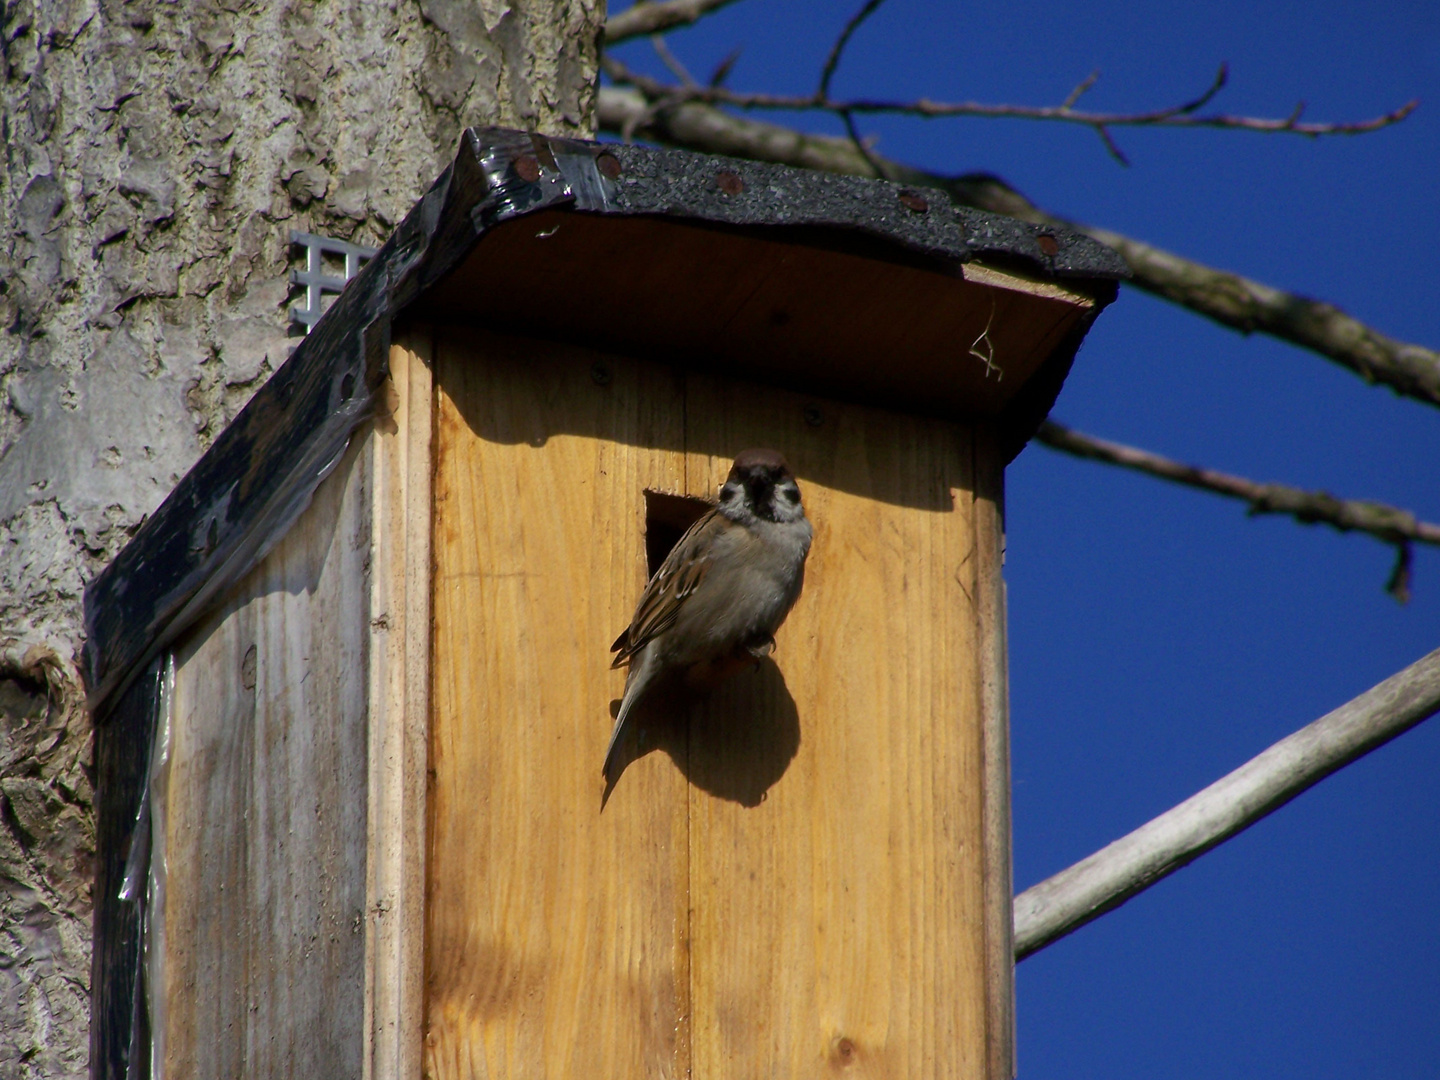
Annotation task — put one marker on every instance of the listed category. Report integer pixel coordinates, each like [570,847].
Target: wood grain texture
[268,807]
[555,939]
[399,714]
[837,917]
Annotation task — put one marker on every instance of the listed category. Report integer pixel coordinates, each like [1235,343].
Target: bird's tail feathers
[636,681]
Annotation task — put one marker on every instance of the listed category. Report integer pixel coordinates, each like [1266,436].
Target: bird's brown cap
[771,462]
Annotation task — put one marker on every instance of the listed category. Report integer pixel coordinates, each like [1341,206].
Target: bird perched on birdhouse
[722,592]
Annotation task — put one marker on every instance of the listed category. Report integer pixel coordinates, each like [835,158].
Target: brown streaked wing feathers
[678,576]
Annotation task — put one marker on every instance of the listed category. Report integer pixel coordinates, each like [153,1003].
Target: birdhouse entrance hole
[667,516]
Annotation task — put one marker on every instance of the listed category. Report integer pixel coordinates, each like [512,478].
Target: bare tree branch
[1387,523]
[701,127]
[1235,301]
[1182,115]
[645,18]
[1248,306]
[1046,912]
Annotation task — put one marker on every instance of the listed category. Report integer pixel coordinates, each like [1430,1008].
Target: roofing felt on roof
[644,180]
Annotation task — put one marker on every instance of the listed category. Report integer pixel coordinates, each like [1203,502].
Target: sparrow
[715,603]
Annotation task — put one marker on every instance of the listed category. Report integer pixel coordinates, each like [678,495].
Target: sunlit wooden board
[837,917]
[555,932]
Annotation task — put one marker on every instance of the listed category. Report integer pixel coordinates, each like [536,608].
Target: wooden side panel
[266,834]
[555,935]
[838,917]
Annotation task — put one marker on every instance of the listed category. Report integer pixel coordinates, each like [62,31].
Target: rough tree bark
[157,156]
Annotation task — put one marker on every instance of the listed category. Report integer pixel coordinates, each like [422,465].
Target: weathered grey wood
[1060,904]
[268,808]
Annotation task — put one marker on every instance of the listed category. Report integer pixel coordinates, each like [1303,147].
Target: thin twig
[1084,84]
[1222,76]
[833,60]
[1389,524]
[671,61]
[876,163]
[827,72]
[1046,912]
[1182,115]
[1235,301]
[723,69]
[1111,145]
[644,18]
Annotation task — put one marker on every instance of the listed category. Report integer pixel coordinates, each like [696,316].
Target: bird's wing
[679,576]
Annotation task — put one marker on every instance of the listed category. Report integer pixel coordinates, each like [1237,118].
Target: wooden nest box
[351,681]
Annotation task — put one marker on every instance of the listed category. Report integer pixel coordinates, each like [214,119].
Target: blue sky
[1159,637]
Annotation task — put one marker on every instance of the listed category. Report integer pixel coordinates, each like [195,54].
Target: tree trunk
[157,157]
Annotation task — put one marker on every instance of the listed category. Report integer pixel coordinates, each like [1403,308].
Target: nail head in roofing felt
[913,200]
[609,165]
[1049,245]
[527,166]
[729,182]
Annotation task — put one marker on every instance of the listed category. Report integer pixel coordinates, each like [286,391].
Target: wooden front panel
[795,884]
[555,933]
[837,925]
[264,938]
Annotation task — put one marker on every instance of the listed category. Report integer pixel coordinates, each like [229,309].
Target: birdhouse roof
[841,286]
